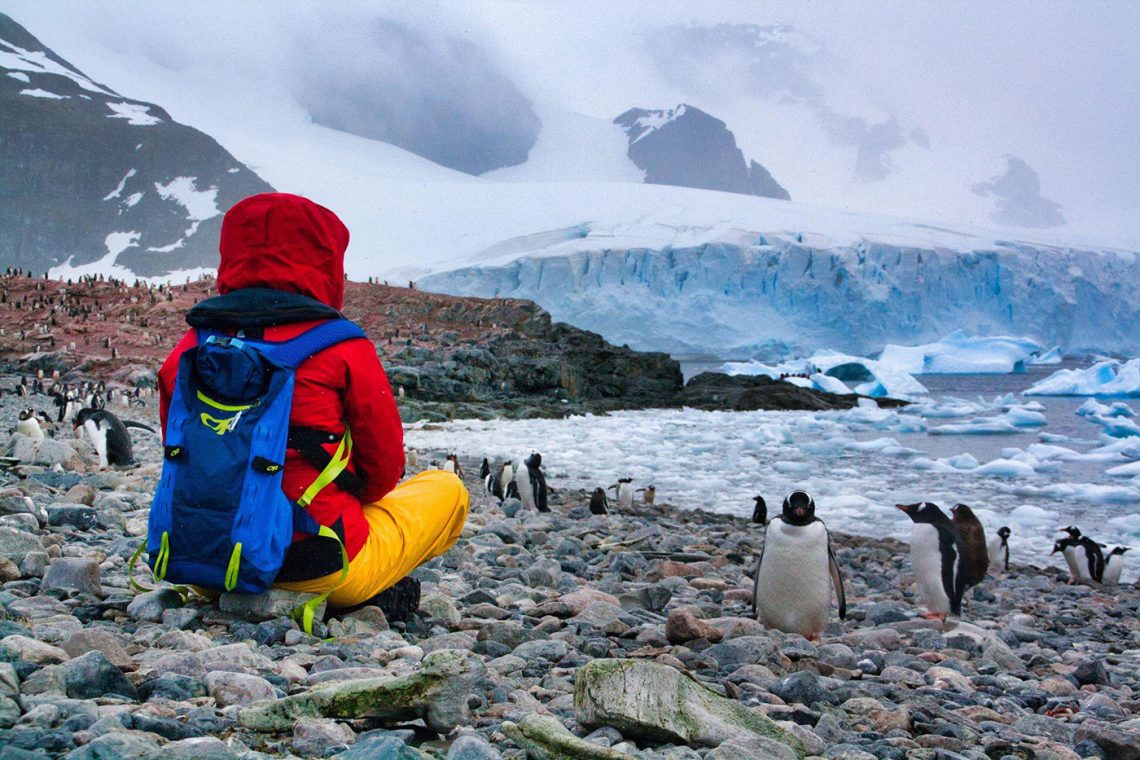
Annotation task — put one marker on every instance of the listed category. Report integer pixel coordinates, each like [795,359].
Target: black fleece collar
[257,307]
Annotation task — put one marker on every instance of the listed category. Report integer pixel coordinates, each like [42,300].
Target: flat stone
[659,703]
[682,626]
[16,544]
[76,516]
[436,692]
[270,605]
[31,650]
[94,639]
[77,574]
[472,747]
[545,737]
[743,650]
[92,675]
[317,737]
[149,606]
[198,748]
[229,688]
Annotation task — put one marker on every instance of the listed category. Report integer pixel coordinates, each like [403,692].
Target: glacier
[771,296]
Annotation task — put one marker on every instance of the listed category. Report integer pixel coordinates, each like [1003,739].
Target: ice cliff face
[777,297]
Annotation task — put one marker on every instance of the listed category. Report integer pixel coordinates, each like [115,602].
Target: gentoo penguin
[491,483]
[411,457]
[599,504]
[1089,552]
[455,466]
[108,435]
[935,554]
[760,511]
[624,491]
[484,469]
[507,480]
[1068,549]
[796,571]
[532,483]
[998,550]
[28,424]
[975,559]
[648,494]
[449,465]
[1114,565]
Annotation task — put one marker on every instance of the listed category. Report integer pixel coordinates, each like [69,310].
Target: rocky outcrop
[686,147]
[653,701]
[90,174]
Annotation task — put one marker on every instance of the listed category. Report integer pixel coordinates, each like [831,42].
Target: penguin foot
[935,616]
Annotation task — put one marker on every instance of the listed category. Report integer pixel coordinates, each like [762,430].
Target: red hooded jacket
[288,243]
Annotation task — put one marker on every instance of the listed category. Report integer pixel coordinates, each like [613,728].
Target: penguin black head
[1062,545]
[924,512]
[1119,550]
[962,512]
[27,414]
[81,417]
[799,508]
[1003,532]
[534,460]
[1073,531]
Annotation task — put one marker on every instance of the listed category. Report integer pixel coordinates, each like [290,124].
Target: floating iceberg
[959,353]
[1107,378]
[1052,356]
[836,373]
[1093,408]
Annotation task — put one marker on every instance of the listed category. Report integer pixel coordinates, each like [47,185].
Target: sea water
[856,463]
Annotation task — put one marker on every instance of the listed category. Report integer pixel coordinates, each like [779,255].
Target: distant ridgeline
[90,176]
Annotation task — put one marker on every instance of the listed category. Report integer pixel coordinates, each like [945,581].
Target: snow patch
[119,188]
[19,60]
[37,93]
[199,204]
[135,114]
[20,76]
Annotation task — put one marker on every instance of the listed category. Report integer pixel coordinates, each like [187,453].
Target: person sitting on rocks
[282,266]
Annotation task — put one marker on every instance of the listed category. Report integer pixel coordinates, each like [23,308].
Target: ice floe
[1106,378]
[960,353]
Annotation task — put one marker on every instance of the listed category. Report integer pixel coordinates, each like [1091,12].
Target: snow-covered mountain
[94,181]
[870,118]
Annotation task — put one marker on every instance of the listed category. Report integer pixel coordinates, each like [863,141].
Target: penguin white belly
[31,428]
[98,438]
[505,477]
[1113,569]
[625,495]
[449,466]
[1078,567]
[997,556]
[926,560]
[793,584]
[526,490]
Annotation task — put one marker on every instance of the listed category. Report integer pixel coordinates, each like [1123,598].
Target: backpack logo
[220,426]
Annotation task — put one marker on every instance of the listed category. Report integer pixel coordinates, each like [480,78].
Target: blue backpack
[219,518]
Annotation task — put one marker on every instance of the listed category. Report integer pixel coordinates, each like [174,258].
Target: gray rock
[471,747]
[317,737]
[198,748]
[76,516]
[381,744]
[545,649]
[116,746]
[543,736]
[78,574]
[743,650]
[229,688]
[93,639]
[16,544]
[803,688]
[437,693]
[149,606]
[1091,671]
[659,703]
[92,675]
[274,603]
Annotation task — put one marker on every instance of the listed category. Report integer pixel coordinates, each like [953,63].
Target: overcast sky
[954,88]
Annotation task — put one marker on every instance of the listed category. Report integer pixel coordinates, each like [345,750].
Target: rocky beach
[561,635]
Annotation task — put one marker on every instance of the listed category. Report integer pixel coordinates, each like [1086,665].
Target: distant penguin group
[1082,554]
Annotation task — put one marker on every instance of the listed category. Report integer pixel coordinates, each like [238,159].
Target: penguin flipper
[837,580]
[538,486]
[139,425]
[756,584]
[951,578]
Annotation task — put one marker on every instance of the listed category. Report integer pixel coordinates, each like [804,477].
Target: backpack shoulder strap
[292,352]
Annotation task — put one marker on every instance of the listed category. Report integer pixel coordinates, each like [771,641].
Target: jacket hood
[283,242]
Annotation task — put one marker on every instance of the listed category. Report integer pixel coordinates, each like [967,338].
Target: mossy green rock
[437,693]
[653,701]
[545,738]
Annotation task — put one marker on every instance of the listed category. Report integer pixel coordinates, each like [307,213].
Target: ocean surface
[856,463]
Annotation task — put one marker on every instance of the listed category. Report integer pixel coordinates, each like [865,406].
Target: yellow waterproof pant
[419,519]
